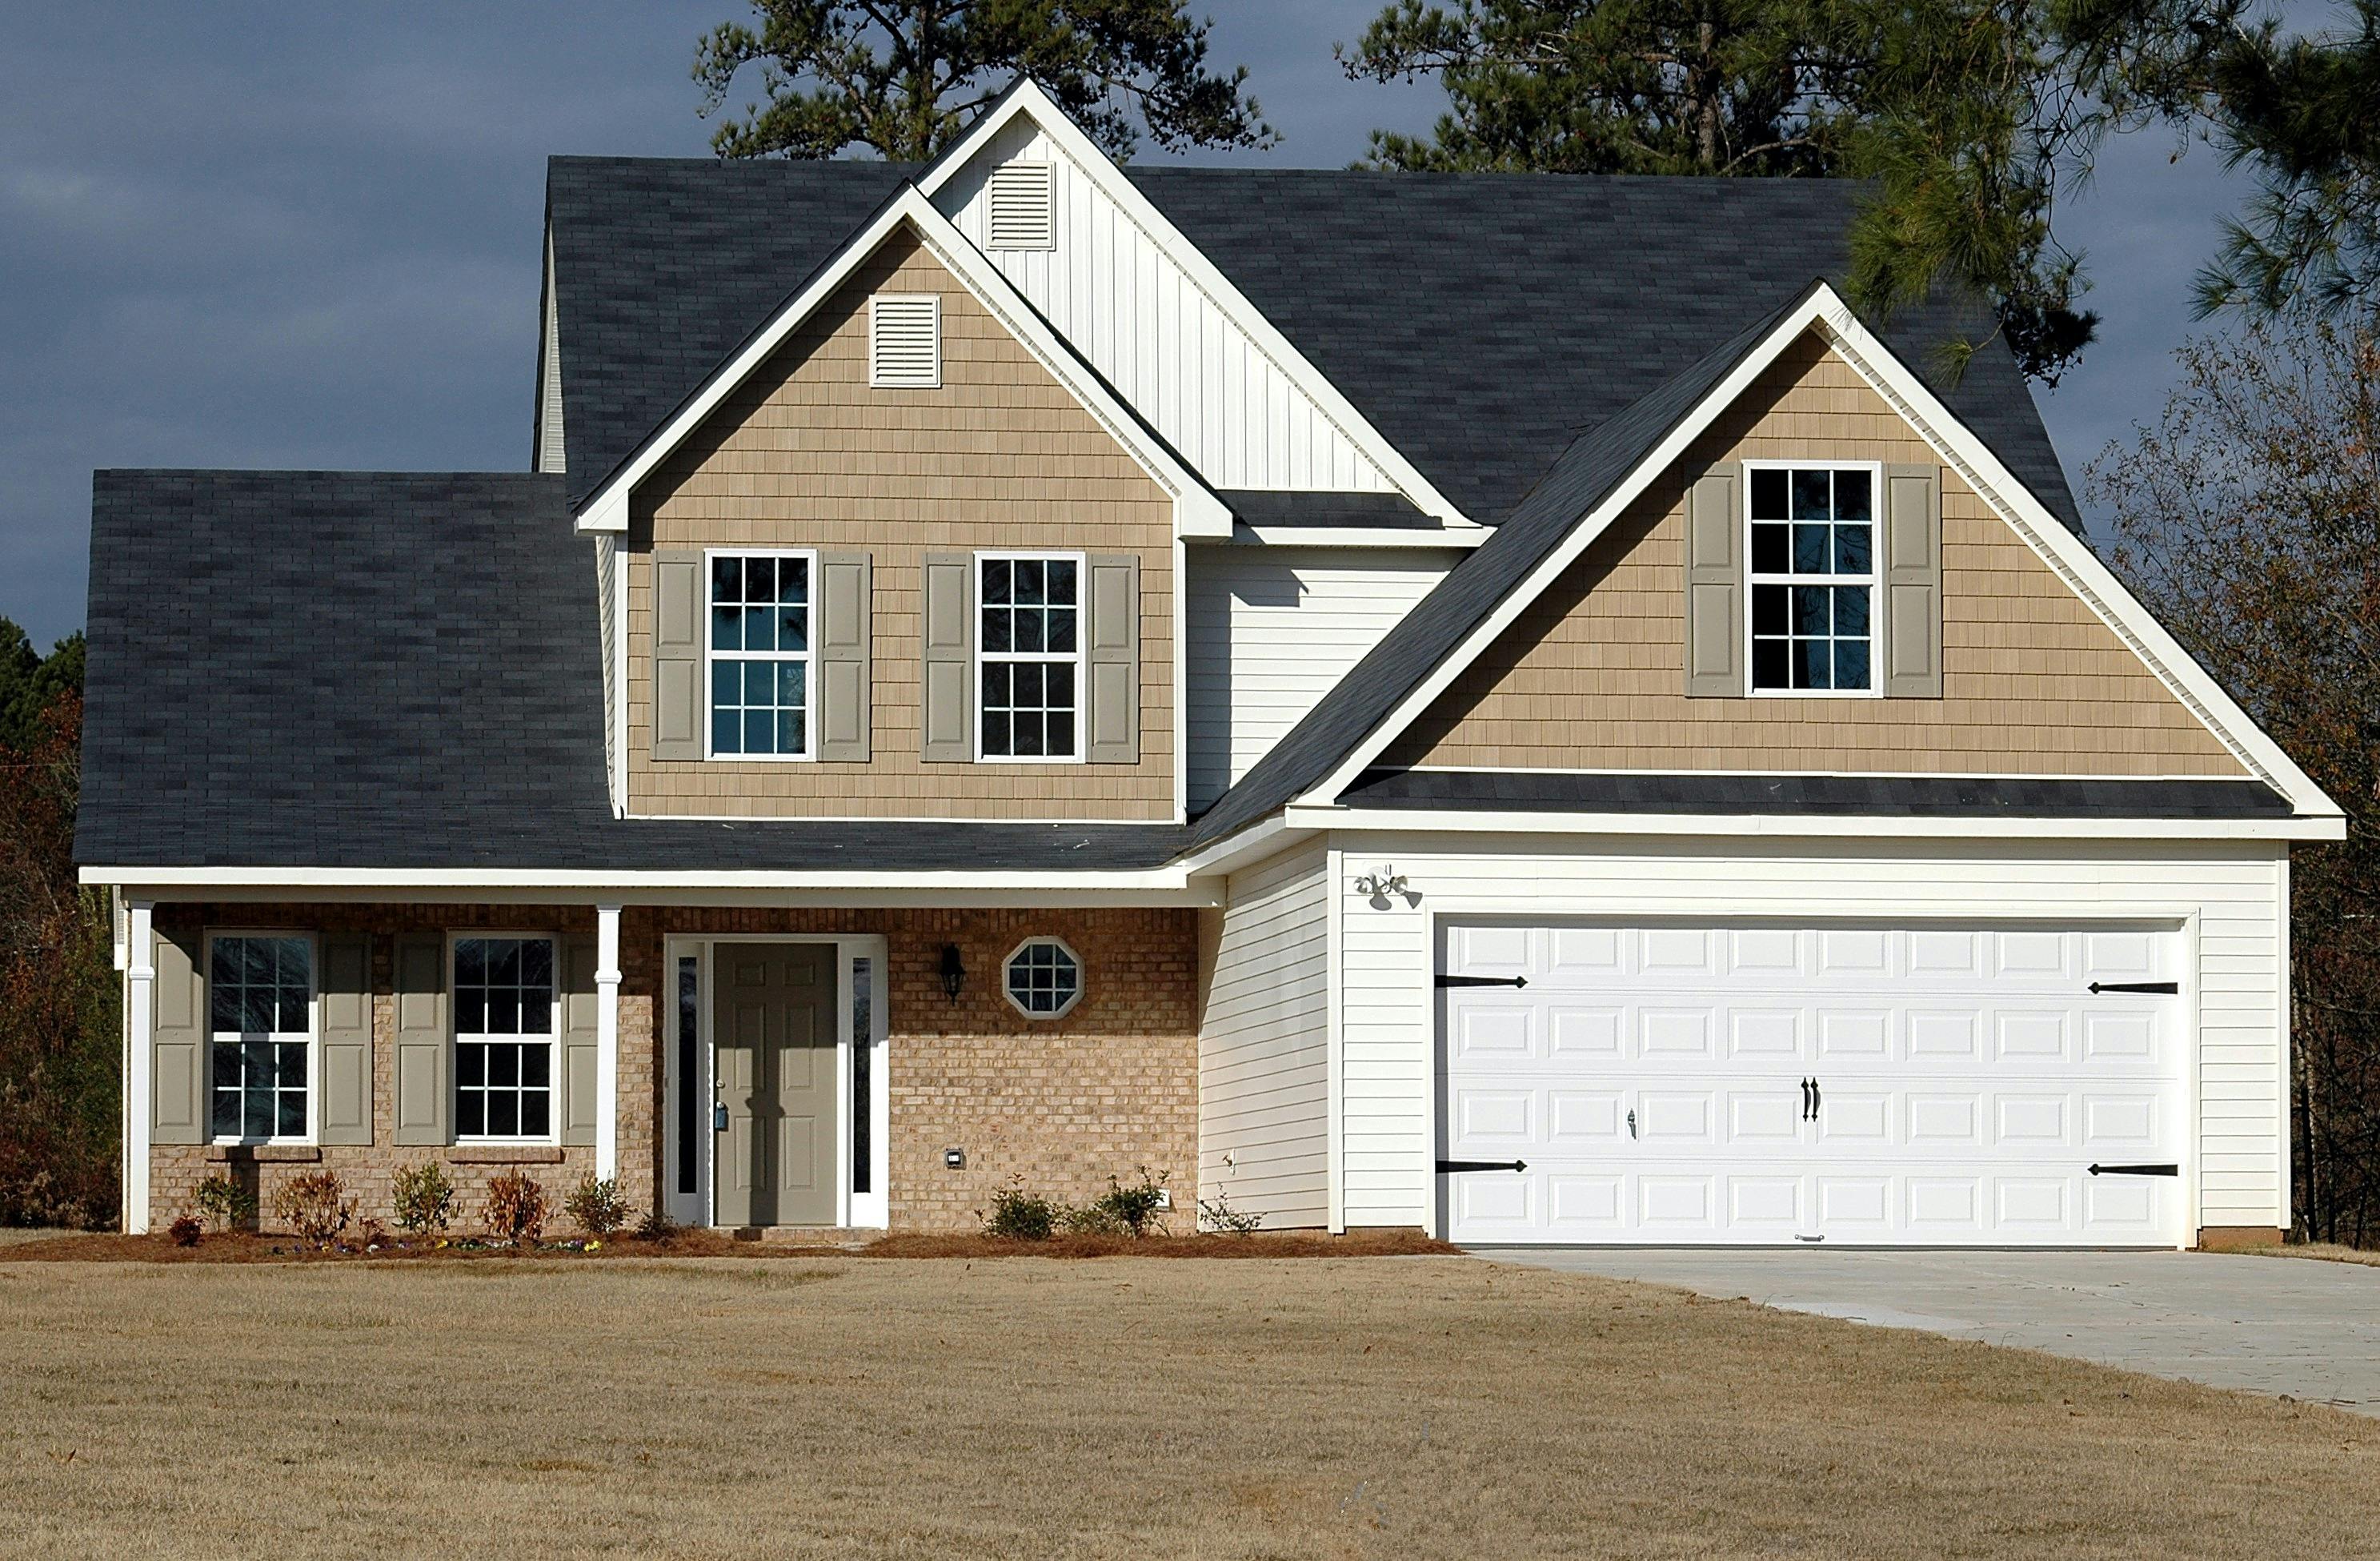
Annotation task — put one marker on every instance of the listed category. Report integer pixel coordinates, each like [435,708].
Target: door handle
[1632,1124]
[1806,1100]
[718,1116]
[1817,1100]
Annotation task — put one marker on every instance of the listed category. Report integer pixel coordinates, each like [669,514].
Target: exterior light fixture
[953,972]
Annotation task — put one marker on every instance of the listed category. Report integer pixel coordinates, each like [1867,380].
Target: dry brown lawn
[2320,1251]
[1387,1407]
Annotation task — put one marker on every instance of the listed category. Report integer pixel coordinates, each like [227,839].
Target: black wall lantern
[953,972]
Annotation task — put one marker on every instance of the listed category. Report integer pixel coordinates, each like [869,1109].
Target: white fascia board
[2064,552]
[1233,852]
[1027,99]
[1460,537]
[1790,826]
[1197,511]
[1166,885]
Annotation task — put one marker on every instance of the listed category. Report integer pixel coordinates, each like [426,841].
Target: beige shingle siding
[1002,456]
[1591,676]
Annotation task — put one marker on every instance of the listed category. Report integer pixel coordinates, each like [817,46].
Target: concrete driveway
[2296,1326]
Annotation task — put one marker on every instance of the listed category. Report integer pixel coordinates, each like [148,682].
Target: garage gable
[1592,673]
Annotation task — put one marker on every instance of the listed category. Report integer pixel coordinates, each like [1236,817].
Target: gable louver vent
[904,342]
[1021,202]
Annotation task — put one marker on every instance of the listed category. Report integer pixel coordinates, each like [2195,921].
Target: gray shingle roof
[400,669]
[1859,795]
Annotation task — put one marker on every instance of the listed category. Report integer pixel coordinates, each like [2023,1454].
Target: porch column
[140,1032]
[607,1040]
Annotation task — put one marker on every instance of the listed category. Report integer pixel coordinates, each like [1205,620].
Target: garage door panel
[1652,1080]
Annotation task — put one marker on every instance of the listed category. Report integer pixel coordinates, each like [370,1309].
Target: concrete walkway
[2307,1329]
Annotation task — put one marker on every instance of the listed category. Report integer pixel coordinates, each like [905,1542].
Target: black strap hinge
[2169,988]
[2099,1170]
[1446,1166]
[1483,981]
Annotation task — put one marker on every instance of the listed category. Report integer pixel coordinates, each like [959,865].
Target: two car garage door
[1850,1084]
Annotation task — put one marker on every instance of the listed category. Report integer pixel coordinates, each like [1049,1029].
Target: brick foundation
[1064,1104]
[2239,1237]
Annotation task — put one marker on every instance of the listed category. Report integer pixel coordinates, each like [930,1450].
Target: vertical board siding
[1167,348]
[1263,1101]
[549,400]
[1271,629]
[2237,981]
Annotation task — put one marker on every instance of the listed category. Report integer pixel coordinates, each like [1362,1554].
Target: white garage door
[1857,1085]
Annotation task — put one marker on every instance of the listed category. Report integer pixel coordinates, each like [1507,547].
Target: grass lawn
[2320,1251]
[1386,1407]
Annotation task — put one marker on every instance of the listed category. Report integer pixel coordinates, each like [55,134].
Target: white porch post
[607,1040]
[139,1035]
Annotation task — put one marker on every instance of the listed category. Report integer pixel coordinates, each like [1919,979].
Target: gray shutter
[1715,592]
[840,658]
[948,656]
[1112,660]
[345,1109]
[1911,570]
[177,1064]
[425,1095]
[678,702]
[579,1052]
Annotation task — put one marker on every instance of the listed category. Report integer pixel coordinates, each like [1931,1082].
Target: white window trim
[553,1135]
[1082,623]
[807,658]
[1082,977]
[934,315]
[313,1037]
[1872,579]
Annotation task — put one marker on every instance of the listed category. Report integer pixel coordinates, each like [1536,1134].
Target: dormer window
[1021,204]
[1813,579]
[904,342]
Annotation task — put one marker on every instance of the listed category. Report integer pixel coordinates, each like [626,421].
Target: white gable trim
[2058,547]
[1197,511]
[1027,99]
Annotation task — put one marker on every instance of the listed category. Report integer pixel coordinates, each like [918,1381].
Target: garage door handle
[1444,1166]
[2167,988]
[1483,981]
[2098,1170]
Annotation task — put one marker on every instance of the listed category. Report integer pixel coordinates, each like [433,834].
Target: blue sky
[307,236]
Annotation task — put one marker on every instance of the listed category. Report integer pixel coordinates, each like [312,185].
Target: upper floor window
[1029,651]
[260,1025]
[760,655]
[504,1037]
[1813,578]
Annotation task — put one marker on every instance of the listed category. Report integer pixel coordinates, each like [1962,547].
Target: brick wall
[1108,1087]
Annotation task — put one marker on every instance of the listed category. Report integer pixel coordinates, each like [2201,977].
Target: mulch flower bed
[250,1246]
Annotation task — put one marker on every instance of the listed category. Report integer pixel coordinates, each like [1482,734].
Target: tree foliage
[59,1023]
[905,78]
[2248,517]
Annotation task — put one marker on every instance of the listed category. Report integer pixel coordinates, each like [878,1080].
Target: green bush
[225,1202]
[1121,1210]
[597,1206]
[425,1200]
[1217,1214]
[1020,1216]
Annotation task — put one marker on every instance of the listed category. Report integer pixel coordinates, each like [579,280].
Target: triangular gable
[1197,511]
[1956,447]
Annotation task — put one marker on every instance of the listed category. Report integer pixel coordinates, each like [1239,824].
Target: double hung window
[760,655]
[260,1025]
[1029,655]
[504,1037]
[1813,579]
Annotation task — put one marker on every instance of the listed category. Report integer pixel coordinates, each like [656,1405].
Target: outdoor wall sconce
[953,972]
[954,1159]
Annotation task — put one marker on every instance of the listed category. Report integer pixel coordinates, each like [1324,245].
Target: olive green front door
[777,1124]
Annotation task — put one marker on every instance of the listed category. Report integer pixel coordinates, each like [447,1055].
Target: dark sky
[307,236]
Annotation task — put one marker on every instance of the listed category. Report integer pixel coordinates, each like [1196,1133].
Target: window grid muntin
[267,978]
[772,681]
[1029,657]
[1042,978]
[1816,580]
[504,1086]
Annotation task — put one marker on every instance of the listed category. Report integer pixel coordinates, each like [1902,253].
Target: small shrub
[315,1205]
[372,1233]
[656,1227]
[225,1202]
[1019,1215]
[185,1231]
[516,1210]
[1218,1215]
[425,1200]
[1090,1219]
[596,1205]
[1134,1208]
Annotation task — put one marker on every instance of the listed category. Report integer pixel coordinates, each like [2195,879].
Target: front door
[775,1066]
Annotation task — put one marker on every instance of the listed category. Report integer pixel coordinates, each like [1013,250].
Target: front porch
[755,1069]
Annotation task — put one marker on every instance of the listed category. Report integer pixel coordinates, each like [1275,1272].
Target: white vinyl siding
[1271,629]
[1263,1047]
[2231,901]
[1167,348]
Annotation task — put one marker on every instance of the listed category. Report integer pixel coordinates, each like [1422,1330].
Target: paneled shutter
[177,1064]
[579,1052]
[678,616]
[1112,660]
[1912,575]
[1714,593]
[840,657]
[425,1091]
[948,655]
[345,1110]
